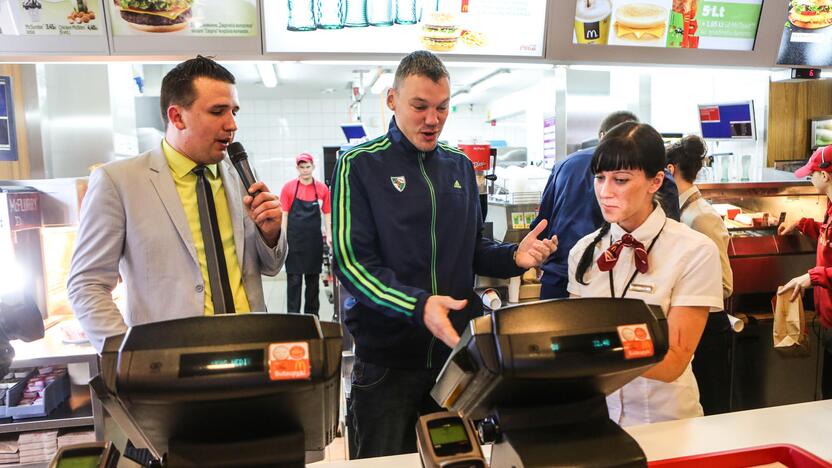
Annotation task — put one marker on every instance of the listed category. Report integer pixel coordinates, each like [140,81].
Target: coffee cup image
[640,22]
[592,21]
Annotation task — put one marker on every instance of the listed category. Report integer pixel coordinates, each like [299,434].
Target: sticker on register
[636,341]
[289,361]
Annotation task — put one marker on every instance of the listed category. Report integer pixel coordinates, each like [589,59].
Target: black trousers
[712,364]
[294,284]
[384,406]
[826,373]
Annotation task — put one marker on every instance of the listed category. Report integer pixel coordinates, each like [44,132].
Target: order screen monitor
[536,376]
[232,390]
[734,121]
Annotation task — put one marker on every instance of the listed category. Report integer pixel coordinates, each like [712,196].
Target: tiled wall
[275,130]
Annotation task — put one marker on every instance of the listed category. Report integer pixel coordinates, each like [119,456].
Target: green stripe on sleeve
[368,284]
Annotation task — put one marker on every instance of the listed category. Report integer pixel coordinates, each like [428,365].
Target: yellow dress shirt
[185,181]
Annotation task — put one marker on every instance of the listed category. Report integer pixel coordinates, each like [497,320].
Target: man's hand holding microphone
[263,206]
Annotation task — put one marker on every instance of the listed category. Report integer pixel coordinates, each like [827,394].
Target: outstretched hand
[532,252]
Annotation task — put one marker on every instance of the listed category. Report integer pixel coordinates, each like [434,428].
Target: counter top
[51,350]
[806,425]
[770,179]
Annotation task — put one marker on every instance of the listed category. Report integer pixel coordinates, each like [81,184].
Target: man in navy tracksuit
[407,231]
[569,205]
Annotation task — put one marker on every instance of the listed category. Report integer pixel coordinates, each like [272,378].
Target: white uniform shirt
[702,217]
[683,271]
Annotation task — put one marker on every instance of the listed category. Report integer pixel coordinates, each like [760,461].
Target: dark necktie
[221,296]
[609,258]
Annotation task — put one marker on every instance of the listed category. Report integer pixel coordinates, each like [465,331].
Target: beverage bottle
[356,14]
[408,11]
[330,14]
[380,12]
[301,15]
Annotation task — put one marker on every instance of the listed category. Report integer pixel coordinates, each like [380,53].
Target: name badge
[642,288]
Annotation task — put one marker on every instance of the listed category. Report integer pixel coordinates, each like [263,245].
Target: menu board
[51,18]
[194,18]
[807,37]
[467,27]
[689,24]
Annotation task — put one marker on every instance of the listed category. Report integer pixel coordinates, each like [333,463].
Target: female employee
[712,366]
[640,253]
[302,225]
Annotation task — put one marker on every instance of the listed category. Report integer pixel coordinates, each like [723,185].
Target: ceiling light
[268,75]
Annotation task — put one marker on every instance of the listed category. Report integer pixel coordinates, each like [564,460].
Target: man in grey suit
[140,218]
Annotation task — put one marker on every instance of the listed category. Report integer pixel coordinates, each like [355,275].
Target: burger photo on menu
[640,23]
[439,32]
[155,15]
[810,14]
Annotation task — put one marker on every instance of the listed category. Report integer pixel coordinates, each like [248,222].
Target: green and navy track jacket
[408,225]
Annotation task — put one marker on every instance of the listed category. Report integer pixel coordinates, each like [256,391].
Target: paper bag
[789,332]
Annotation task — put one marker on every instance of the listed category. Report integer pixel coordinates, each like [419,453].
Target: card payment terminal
[446,440]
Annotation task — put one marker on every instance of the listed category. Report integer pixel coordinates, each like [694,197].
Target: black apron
[306,243]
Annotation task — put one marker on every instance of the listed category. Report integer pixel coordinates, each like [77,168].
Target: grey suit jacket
[133,224]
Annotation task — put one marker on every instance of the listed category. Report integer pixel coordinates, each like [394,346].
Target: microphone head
[236,152]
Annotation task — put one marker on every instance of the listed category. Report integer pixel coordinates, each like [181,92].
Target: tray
[787,454]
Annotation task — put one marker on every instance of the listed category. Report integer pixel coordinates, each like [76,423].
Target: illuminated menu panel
[807,35]
[687,24]
[467,27]
[51,18]
[184,18]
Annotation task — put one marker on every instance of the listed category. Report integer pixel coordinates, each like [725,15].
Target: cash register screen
[80,461]
[194,365]
[588,343]
[448,434]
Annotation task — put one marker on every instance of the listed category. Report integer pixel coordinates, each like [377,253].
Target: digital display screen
[672,24]
[448,434]
[82,461]
[727,121]
[194,365]
[589,343]
[821,132]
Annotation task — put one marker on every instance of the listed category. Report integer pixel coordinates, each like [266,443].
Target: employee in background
[176,222]
[639,253]
[819,168]
[568,204]
[712,366]
[408,241]
[304,199]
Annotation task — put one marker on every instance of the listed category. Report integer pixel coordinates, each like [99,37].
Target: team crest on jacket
[399,183]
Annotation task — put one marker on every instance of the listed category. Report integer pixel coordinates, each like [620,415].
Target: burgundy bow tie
[609,258]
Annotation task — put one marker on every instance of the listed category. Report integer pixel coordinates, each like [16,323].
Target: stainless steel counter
[82,408]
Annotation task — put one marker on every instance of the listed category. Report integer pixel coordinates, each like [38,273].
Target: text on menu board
[52,18]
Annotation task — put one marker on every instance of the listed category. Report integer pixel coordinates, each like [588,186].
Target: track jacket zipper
[434,288]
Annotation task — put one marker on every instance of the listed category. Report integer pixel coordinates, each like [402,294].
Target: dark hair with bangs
[627,146]
[178,84]
[630,146]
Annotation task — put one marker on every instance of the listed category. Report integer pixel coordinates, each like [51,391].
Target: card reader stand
[211,392]
[536,375]
[577,434]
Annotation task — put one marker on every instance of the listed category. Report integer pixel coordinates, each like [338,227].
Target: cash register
[534,378]
[233,390]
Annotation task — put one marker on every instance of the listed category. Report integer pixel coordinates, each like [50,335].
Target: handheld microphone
[239,158]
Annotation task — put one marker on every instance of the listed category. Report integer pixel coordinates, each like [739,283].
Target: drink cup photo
[592,21]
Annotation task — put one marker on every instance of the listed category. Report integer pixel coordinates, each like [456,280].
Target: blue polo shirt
[570,207]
